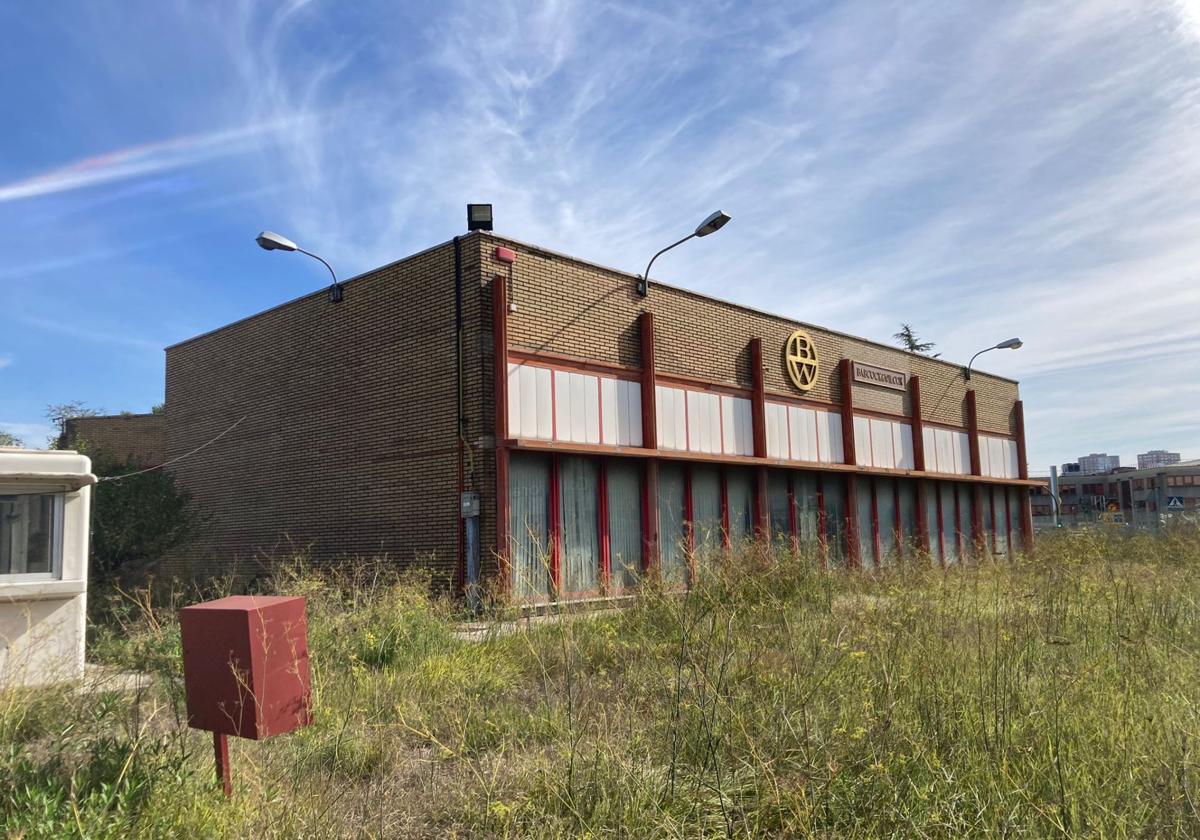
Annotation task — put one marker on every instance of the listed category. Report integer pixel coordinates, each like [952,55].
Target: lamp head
[1010,344]
[713,223]
[269,241]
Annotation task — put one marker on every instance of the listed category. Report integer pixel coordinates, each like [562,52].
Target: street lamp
[1009,344]
[710,225]
[269,241]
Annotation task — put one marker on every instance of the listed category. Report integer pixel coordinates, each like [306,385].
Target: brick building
[139,439]
[604,433]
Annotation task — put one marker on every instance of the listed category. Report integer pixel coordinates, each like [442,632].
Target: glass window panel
[624,481]
[804,488]
[933,524]
[30,533]
[885,506]
[672,545]
[964,520]
[908,516]
[781,519]
[1015,495]
[740,485]
[1000,519]
[706,508]
[949,523]
[578,481]
[529,525]
[833,496]
[866,525]
[989,523]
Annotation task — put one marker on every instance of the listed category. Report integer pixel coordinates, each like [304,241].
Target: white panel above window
[862,441]
[883,447]
[737,432]
[777,431]
[530,414]
[802,429]
[903,444]
[829,437]
[704,422]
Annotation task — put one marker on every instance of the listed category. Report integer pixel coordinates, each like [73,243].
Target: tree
[9,439]
[137,519]
[908,339]
[60,413]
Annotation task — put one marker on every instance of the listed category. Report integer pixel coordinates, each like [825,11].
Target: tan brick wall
[573,308]
[348,446]
[138,438]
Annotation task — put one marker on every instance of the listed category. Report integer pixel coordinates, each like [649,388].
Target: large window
[885,511]
[739,485]
[778,503]
[866,525]
[965,533]
[672,538]
[933,521]
[833,498]
[624,481]
[908,516]
[31,535]
[529,525]
[949,528]
[1015,495]
[989,536]
[804,493]
[999,497]
[707,528]
[579,517]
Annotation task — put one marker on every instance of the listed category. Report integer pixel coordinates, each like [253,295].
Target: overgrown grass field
[1055,696]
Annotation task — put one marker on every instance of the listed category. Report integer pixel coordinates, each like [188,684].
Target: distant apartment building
[1095,464]
[1139,497]
[1157,458]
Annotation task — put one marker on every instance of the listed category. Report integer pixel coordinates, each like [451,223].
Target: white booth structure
[45,500]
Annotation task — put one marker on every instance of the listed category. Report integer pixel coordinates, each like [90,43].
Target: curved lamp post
[710,225]
[270,241]
[1010,344]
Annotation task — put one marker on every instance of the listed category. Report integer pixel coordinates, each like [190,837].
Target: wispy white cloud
[143,160]
[5,361]
[977,170]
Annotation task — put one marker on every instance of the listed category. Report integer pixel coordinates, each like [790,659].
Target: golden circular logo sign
[802,363]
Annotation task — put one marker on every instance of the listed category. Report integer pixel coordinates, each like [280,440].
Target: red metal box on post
[245,665]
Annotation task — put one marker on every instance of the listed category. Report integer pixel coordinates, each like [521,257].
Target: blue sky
[979,170]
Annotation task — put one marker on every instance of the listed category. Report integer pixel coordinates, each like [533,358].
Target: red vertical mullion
[555,528]
[602,516]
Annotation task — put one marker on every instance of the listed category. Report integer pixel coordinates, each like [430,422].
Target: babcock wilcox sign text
[871,375]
